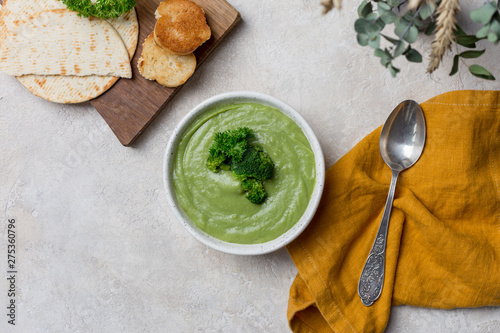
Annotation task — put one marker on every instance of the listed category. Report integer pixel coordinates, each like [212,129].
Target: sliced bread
[181,26]
[168,69]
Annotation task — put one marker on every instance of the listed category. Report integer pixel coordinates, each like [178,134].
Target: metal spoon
[401,143]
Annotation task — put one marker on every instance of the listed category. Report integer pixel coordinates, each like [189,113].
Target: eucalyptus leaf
[495,28]
[408,17]
[382,6]
[426,11]
[385,61]
[483,32]
[363,39]
[471,54]
[400,27]
[390,39]
[454,68]
[492,37]
[365,8]
[388,17]
[380,24]
[418,22]
[394,3]
[360,25]
[379,53]
[393,70]
[483,14]
[413,56]
[400,48]
[371,17]
[373,28]
[374,41]
[481,72]
[385,57]
[411,35]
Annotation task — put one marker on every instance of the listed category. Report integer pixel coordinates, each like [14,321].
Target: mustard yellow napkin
[443,246]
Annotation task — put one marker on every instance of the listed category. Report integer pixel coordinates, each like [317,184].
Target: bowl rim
[236,248]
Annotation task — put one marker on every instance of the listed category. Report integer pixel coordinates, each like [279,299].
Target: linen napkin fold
[443,248]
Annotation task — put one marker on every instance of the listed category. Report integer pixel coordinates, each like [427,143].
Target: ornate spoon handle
[372,276]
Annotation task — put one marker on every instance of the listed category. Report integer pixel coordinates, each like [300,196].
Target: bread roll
[181,27]
[168,69]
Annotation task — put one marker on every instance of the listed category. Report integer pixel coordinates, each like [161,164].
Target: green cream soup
[216,202]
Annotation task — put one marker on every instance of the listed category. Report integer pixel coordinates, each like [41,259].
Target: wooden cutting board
[132,104]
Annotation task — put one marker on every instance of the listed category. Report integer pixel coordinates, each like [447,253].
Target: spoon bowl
[403,136]
[402,141]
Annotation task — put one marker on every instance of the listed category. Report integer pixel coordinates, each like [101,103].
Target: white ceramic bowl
[233,248]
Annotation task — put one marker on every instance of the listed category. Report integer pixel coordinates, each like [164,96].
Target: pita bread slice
[60,42]
[15,10]
[78,89]
[67,89]
[126,25]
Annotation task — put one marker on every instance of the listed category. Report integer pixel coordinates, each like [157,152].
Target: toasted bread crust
[168,69]
[181,27]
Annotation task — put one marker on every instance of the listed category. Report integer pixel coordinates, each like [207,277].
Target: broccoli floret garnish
[254,164]
[214,163]
[228,145]
[249,163]
[254,189]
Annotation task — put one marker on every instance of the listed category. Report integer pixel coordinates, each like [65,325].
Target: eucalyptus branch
[432,17]
[410,24]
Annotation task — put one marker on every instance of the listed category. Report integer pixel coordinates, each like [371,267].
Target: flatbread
[68,89]
[60,42]
[78,89]
[15,10]
[127,27]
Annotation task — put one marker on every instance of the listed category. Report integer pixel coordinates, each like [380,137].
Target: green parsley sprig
[104,9]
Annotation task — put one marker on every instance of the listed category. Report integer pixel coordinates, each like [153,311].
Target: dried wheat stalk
[414,4]
[444,37]
[330,4]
